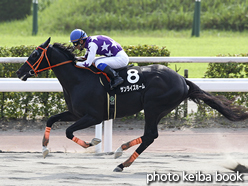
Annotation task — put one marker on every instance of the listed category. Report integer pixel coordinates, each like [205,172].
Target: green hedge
[33,105]
[13,9]
[27,105]
[226,70]
[108,15]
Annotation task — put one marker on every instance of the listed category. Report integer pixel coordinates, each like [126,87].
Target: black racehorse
[87,102]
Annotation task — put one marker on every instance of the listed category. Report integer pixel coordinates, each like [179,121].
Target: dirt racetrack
[94,169]
[177,157]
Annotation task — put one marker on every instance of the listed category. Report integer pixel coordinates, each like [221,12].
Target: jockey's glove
[80,58]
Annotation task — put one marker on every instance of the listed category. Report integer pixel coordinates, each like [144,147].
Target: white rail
[31,85]
[52,84]
[157,59]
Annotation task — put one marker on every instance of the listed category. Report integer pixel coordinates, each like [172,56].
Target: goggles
[76,43]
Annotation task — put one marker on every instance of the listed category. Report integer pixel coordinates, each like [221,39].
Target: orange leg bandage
[129,144]
[80,142]
[47,132]
[131,159]
[46,136]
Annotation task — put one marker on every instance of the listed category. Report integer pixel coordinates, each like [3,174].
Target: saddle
[133,81]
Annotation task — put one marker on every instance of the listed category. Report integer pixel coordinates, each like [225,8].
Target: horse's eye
[34,54]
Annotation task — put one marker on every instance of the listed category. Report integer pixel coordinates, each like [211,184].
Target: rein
[36,65]
[103,73]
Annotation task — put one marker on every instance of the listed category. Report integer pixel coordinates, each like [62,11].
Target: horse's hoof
[95,141]
[118,152]
[240,168]
[45,151]
[118,169]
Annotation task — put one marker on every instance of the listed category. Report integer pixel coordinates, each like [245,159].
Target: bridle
[36,65]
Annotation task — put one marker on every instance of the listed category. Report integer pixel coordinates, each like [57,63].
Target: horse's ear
[47,42]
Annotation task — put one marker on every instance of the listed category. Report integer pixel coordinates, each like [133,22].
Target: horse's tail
[219,103]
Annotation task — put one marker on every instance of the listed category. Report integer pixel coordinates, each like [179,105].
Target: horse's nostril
[17,72]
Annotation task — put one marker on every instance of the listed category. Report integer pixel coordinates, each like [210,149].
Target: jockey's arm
[91,56]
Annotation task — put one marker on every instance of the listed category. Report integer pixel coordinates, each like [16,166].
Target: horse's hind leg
[125,146]
[145,142]
[64,116]
[151,133]
[153,114]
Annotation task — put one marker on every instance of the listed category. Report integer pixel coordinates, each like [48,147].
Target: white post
[98,134]
[108,135]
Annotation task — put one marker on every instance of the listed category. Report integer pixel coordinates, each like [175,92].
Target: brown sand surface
[177,152]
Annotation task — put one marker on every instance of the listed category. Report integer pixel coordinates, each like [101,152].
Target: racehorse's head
[34,62]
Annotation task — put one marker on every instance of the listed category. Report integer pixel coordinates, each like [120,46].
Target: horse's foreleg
[45,141]
[84,144]
[46,136]
[65,116]
[82,123]
[125,146]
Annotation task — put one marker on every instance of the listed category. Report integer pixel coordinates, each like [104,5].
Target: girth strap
[111,101]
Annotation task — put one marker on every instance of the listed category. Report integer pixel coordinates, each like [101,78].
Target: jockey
[115,56]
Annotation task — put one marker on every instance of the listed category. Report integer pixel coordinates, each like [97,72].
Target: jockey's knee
[69,133]
[101,66]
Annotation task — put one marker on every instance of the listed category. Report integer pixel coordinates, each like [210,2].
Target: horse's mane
[68,50]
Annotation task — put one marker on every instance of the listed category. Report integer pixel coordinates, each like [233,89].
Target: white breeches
[120,60]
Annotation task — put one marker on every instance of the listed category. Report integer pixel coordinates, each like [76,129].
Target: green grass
[180,44]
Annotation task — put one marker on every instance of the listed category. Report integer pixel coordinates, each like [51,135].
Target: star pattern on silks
[94,38]
[86,64]
[109,53]
[105,46]
[114,44]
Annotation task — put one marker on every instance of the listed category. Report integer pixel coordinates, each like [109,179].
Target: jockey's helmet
[77,35]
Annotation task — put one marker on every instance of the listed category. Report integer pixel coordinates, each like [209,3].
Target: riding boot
[114,76]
